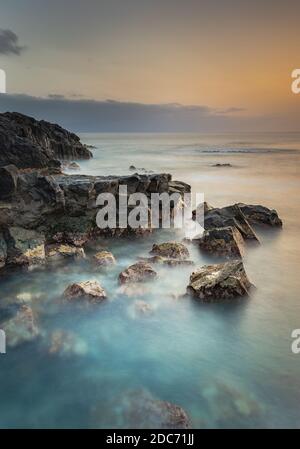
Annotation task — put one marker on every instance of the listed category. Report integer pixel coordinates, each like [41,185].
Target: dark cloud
[9,43]
[115,116]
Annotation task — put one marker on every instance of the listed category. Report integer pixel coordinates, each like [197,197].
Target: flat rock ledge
[165,261]
[87,290]
[138,272]
[225,242]
[171,250]
[220,282]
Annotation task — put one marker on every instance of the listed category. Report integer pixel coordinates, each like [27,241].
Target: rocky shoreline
[48,217]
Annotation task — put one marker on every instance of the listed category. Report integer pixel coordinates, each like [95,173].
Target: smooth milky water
[226,365]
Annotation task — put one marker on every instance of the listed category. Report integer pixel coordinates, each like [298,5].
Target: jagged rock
[138,272]
[3,251]
[173,250]
[229,216]
[201,210]
[104,259]
[87,290]
[226,242]
[260,215]
[8,181]
[61,252]
[29,143]
[221,282]
[24,247]
[179,187]
[21,328]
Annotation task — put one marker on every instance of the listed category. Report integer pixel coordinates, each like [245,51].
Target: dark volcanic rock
[29,143]
[226,242]
[229,216]
[217,283]
[8,181]
[24,247]
[260,215]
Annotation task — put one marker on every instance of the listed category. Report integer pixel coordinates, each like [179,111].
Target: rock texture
[29,143]
[61,252]
[260,215]
[229,216]
[104,259]
[21,328]
[138,272]
[217,283]
[172,250]
[227,242]
[87,290]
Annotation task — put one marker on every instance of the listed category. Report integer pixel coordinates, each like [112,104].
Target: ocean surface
[228,366]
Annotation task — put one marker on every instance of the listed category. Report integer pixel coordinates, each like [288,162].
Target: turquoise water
[226,365]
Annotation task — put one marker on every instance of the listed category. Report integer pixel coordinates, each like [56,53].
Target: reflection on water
[226,365]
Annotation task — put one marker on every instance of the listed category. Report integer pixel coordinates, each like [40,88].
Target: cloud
[9,43]
[84,115]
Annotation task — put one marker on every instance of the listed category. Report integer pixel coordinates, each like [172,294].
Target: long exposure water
[226,365]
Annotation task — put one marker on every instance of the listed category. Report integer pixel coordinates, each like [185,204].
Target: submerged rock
[138,272]
[221,282]
[21,328]
[226,242]
[140,410]
[222,165]
[61,252]
[87,290]
[173,250]
[66,343]
[104,259]
[143,308]
[260,215]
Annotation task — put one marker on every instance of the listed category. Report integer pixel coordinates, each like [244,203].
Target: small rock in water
[21,328]
[143,307]
[222,165]
[260,215]
[104,259]
[66,343]
[172,250]
[89,290]
[138,272]
[226,242]
[61,252]
[221,282]
[140,410]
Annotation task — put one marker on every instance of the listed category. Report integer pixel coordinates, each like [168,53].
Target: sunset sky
[231,58]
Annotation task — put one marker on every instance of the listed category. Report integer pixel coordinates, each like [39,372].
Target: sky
[153,65]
